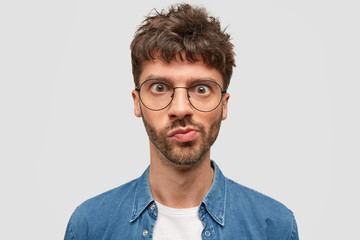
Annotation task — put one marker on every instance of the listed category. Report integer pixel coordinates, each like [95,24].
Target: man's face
[180,133]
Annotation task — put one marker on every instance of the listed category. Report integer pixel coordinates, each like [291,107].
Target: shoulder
[93,216]
[109,199]
[260,210]
[250,197]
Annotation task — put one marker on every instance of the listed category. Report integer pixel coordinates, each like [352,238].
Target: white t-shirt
[177,224]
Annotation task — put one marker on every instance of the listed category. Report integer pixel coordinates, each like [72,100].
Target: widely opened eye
[202,89]
[158,87]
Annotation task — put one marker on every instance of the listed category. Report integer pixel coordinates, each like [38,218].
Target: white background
[67,129]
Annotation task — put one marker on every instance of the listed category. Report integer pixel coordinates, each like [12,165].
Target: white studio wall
[68,131]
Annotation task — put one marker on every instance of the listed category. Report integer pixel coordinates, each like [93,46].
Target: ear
[136,98]
[224,103]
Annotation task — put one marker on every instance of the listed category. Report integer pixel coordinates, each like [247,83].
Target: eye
[201,89]
[159,87]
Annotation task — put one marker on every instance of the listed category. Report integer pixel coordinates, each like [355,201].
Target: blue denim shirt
[228,211]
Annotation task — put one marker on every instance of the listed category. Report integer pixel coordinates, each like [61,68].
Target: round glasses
[203,95]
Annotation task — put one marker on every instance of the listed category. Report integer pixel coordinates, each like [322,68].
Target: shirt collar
[142,197]
[214,201]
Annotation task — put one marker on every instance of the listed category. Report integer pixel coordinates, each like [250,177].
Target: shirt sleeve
[69,233]
[294,230]
[77,227]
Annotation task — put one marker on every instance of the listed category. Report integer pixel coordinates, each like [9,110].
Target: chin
[186,157]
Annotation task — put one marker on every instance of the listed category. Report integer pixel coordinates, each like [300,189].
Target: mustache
[184,123]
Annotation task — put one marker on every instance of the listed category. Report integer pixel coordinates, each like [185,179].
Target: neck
[180,186]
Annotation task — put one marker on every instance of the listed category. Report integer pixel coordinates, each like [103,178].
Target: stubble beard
[183,153]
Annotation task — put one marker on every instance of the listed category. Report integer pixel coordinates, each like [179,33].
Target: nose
[180,106]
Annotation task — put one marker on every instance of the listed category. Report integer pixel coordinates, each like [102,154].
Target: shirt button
[207,234]
[152,207]
[145,233]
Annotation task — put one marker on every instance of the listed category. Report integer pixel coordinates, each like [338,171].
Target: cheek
[210,119]
[215,115]
[156,119]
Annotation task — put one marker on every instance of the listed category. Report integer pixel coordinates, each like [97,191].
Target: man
[182,64]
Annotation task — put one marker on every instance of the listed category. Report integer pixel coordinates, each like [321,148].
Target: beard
[183,153]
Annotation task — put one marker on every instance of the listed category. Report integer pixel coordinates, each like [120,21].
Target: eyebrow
[171,80]
[156,77]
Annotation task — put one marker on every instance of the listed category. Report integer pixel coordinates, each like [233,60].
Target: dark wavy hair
[184,32]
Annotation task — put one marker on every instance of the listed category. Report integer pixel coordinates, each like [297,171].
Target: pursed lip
[181,131]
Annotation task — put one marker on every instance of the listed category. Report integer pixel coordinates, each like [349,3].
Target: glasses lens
[205,95]
[156,94]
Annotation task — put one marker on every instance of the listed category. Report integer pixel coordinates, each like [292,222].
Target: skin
[180,176]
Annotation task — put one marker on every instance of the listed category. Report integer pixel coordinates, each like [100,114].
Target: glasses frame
[173,93]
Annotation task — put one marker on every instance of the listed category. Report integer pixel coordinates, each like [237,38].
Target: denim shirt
[228,211]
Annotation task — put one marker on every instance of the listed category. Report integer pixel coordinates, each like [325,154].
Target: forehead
[179,72]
